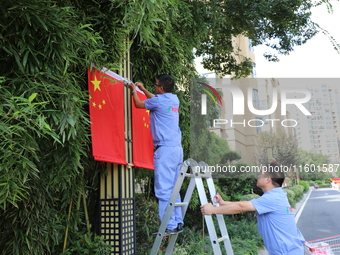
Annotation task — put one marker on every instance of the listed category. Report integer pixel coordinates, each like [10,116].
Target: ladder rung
[221,239]
[205,175]
[181,204]
[198,175]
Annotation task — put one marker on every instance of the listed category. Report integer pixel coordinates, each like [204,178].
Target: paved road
[320,217]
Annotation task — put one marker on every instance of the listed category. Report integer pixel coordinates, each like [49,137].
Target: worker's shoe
[171,232]
[179,227]
[167,232]
[175,231]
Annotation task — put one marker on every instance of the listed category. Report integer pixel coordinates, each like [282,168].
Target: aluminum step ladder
[197,172]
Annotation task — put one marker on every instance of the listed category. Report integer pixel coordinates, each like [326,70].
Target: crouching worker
[275,218]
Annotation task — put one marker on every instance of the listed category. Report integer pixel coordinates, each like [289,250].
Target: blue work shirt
[276,223]
[164,119]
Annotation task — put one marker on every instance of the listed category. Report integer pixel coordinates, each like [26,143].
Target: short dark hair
[275,172]
[166,81]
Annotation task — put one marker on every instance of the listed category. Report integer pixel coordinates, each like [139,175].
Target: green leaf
[32,97]
[24,61]
[41,22]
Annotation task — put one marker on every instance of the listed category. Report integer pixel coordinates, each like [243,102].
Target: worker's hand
[132,87]
[140,85]
[217,198]
[207,209]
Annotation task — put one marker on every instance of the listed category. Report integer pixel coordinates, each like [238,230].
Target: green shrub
[249,197]
[298,189]
[90,244]
[147,221]
[244,236]
[294,193]
[324,186]
[305,186]
[291,197]
[192,242]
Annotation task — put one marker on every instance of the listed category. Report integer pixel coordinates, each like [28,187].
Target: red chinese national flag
[107,117]
[142,146]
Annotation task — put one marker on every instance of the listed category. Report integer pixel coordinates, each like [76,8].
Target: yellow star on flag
[144,119]
[96,84]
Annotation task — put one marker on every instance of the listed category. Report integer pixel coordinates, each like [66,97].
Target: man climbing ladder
[168,155]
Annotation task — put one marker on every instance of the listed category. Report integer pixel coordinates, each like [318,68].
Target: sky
[315,59]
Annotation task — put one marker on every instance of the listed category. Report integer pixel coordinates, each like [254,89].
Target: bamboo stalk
[88,225]
[66,231]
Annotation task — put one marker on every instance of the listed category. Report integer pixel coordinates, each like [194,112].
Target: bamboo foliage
[44,123]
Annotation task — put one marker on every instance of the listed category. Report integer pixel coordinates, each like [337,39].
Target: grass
[245,239]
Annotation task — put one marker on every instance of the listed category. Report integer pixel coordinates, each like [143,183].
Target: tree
[281,25]
[310,165]
[209,27]
[230,157]
[283,146]
[236,184]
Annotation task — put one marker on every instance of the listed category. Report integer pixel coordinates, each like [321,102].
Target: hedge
[305,185]
[294,194]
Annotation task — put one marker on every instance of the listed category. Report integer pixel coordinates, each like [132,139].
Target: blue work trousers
[167,163]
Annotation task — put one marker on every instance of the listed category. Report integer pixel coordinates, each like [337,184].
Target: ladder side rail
[223,228]
[188,196]
[186,201]
[168,211]
[220,220]
[171,244]
[208,218]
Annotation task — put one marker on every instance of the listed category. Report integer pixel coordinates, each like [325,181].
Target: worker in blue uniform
[275,217]
[166,134]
